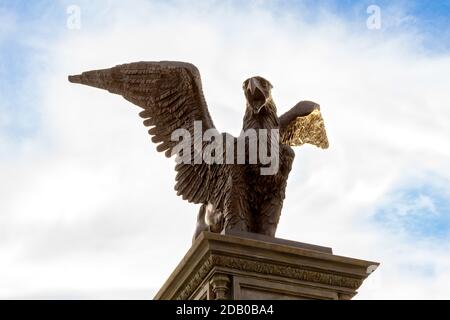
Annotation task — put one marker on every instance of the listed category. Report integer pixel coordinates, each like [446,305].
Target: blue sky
[385,100]
[419,209]
[40,19]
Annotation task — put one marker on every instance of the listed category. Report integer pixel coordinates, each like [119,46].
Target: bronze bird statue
[234,195]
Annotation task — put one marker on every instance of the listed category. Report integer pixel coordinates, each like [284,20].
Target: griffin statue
[234,195]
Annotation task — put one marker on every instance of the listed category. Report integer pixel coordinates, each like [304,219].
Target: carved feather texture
[172,98]
[307,129]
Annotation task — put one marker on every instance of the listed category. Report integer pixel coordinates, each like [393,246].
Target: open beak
[252,83]
[256,95]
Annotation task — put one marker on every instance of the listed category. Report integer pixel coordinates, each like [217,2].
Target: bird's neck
[266,119]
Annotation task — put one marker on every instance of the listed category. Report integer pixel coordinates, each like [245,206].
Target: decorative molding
[220,286]
[266,269]
[195,281]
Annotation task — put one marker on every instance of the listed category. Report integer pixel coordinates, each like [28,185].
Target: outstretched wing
[172,98]
[303,124]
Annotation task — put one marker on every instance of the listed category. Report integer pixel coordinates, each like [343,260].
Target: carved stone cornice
[286,271]
[239,267]
[264,268]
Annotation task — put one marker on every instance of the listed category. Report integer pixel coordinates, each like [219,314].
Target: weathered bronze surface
[232,196]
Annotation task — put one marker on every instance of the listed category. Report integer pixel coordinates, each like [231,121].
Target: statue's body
[235,195]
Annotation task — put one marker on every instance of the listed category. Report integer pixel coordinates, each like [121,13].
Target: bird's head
[258,93]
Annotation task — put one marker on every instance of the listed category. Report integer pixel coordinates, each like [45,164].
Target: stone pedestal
[251,266]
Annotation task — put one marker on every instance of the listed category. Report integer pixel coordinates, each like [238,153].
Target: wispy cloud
[419,209]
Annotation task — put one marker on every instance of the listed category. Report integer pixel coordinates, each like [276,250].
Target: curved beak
[257,95]
[252,84]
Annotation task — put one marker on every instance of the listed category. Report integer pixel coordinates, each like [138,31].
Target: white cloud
[88,209]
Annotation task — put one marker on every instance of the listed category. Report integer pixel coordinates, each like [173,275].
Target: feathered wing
[303,124]
[172,98]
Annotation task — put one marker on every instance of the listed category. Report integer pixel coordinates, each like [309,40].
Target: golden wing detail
[307,129]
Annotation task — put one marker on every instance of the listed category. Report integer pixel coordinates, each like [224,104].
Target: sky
[87,207]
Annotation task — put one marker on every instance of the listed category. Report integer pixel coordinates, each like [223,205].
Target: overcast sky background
[87,207]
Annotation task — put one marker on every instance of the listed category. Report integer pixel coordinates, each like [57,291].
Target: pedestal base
[251,266]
